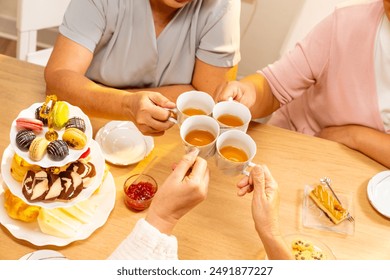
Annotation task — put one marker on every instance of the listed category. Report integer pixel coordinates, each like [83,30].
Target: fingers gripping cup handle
[245,171]
[173,115]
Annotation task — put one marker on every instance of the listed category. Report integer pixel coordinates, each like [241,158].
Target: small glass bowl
[139,191]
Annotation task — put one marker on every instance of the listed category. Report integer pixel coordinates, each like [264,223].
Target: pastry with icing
[57,150]
[24,138]
[76,122]
[329,204]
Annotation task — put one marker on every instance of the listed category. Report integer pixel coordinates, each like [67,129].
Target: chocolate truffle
[57,150]
[76,122]
[24,139]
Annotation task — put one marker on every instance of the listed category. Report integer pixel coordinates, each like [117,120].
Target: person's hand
[184,188]
[231,90]
[265,202]
[240,91]
[149,110]
[265,211]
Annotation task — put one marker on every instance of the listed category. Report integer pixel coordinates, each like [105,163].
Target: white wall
[261,40]
[264,24]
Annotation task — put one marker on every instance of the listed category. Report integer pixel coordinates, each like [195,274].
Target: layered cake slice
[329,204]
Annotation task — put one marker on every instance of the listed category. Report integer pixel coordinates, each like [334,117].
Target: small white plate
[46,161]
[378,191]
[43,255]
[122,143]
[105,199]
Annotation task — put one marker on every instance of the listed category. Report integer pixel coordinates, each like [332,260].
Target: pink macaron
[29,123]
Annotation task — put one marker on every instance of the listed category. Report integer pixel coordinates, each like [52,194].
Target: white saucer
[378,191]
[122,143]
[44,255]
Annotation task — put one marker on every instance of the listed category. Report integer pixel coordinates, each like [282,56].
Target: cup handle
[246,172]
[173,115]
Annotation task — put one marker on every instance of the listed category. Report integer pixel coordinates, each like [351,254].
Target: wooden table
[221,227]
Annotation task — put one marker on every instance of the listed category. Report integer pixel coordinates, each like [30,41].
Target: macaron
[57,150]
[75,138]
[76,122]
[24,139]
[60,114]
[38,148]
[29,123]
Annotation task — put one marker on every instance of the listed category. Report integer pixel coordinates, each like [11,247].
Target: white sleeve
[146,242]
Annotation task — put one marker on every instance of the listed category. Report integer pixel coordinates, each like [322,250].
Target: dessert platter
[122,143]
[55,187]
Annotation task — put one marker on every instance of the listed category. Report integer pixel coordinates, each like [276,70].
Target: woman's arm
[373,143]
[206,78]
[65,77]
[183,190]
[265,211]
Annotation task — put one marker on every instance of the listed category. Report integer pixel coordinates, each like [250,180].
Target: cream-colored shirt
[127,53]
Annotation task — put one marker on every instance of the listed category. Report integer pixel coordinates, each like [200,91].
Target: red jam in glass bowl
[139,191]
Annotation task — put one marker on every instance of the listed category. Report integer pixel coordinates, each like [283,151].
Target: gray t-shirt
[127,53]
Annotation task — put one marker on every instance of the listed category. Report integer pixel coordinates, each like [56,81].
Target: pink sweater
[328,79]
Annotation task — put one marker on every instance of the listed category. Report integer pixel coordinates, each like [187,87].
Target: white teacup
[232,115]
[235,152]
[200,132]
[192,103]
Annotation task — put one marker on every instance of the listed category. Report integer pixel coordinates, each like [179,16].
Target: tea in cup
[232,115]
[192,103]
[235,152]
[200,132]
[199,137]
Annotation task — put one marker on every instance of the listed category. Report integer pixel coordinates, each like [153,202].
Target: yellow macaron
[75,138]
[60,114]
